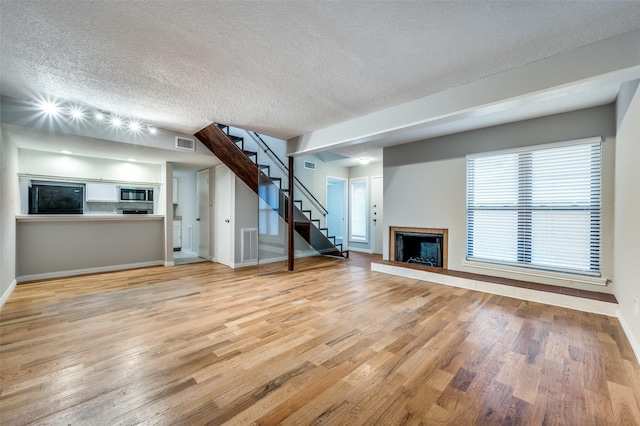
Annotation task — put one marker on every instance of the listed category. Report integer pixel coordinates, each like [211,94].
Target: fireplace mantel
[443,232]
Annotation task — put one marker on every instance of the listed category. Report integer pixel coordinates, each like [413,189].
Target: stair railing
[268,149]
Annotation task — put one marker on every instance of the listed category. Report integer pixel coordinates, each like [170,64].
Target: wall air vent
[185,144]
[249,244]
[309,165]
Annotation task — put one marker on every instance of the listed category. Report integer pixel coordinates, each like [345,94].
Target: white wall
[425,182]
[9,207]
[20,112]
[626,269]
[57,165]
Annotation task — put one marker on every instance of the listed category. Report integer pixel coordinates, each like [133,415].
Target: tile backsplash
[114,208]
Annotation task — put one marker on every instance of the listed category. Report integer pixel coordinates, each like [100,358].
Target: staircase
[244,163]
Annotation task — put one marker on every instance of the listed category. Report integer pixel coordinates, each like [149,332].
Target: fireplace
[419,246]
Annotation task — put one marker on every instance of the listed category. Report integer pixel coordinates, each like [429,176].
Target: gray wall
[51,247]
[627,221]
[425,182]
[9,207]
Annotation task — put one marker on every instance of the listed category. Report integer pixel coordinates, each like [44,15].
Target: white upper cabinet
[102,192]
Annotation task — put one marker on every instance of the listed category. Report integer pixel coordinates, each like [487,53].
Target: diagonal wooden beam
[230,154]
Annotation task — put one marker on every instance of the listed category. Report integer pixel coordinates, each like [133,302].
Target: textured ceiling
[282,68]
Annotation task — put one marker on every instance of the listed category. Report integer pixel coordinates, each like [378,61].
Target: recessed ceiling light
[116,121]
[364,160]
[152,130]
[135,126]
[99,116]
[64,151]
[49,107]
[133,160]
[77,113]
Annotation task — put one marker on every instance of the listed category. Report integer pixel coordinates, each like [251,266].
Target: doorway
[203,218]
[336,206]
[223,226]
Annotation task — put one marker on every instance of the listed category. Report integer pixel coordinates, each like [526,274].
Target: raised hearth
[419,246]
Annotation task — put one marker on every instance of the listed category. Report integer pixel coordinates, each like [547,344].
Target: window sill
[535,273]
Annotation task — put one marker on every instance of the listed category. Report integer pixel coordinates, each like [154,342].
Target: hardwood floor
[335,343]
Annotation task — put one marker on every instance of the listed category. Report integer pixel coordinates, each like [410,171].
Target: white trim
[171,263]
[538,273]
[86,217]
[635,345]
[7,293]
[359,250]
[537,147]
[72,272]
[555,299]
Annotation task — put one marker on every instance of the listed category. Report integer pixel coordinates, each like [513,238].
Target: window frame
[526,208]
[354,237]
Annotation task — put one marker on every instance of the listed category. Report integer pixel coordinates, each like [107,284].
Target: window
[538,208]
[358,201]
[268,209]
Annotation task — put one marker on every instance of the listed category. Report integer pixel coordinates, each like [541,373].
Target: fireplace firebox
[419,246]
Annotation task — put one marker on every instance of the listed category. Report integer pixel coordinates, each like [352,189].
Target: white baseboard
[635,345]
[359,250]
[172,263]
[555,299]
[6,294]
[70,273]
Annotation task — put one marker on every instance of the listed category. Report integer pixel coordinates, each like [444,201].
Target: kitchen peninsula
[50,246]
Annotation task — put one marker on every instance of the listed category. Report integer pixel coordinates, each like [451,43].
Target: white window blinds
[538,208]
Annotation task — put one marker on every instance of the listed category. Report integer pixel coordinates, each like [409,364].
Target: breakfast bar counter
[50,246]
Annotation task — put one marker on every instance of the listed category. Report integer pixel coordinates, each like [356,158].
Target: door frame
[232,239]
[374,246]
[209,223]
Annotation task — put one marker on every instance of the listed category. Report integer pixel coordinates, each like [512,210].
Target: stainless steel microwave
[137,195]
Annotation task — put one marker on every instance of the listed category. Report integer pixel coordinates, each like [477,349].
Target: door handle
[198,219]
[227,220]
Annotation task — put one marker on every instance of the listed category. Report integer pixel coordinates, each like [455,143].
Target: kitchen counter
[85,217]
[50,246]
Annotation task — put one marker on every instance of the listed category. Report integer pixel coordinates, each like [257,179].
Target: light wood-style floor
[335,344]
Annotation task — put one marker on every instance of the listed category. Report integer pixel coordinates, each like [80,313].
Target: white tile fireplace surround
[570,298]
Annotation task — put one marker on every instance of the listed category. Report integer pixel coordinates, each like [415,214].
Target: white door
[376,214]
[224,182]
[204,217]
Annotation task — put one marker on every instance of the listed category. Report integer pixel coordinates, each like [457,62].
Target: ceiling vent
[309,165]
[185,144]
